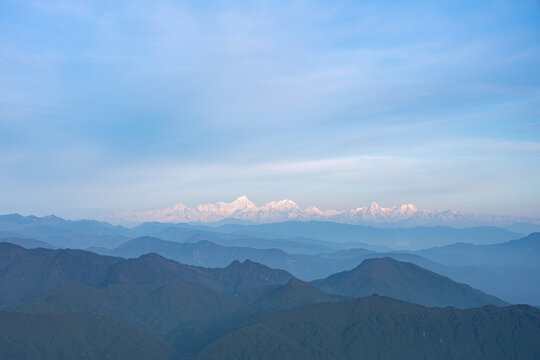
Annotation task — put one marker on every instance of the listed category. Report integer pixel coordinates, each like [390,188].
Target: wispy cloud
[111,105]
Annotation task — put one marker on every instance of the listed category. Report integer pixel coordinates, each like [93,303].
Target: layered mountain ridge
[187,312]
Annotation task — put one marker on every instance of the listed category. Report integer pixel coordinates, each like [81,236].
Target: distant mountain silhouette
[59,232]
[195,233]
[522,252]
[523,228]
[200,253]
[513,278]
[323,235]
[379,327]
[208,254]
[26,243]
[414,238]
[404,281]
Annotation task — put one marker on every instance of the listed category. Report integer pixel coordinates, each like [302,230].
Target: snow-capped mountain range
[244,209]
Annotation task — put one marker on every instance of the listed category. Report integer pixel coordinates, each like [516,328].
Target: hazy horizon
[244,211]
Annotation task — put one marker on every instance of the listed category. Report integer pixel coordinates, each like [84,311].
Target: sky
[110,106]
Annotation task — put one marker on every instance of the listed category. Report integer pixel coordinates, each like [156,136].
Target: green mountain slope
[155,309]
[190,340]
[26,273]
[383,328]
[74,336]
[188,316]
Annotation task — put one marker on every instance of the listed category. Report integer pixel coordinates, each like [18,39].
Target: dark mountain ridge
[25,273]
[404,281]
[378,327]
[75,336]
[208,254]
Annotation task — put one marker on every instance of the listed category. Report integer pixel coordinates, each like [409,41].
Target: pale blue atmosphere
[112,106]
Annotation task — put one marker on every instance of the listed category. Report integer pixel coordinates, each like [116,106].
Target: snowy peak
[283,206]
[284,210]
[241,208]
[374,207]
[242,203]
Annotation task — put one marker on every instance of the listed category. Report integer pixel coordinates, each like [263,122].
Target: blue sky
[129,105]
